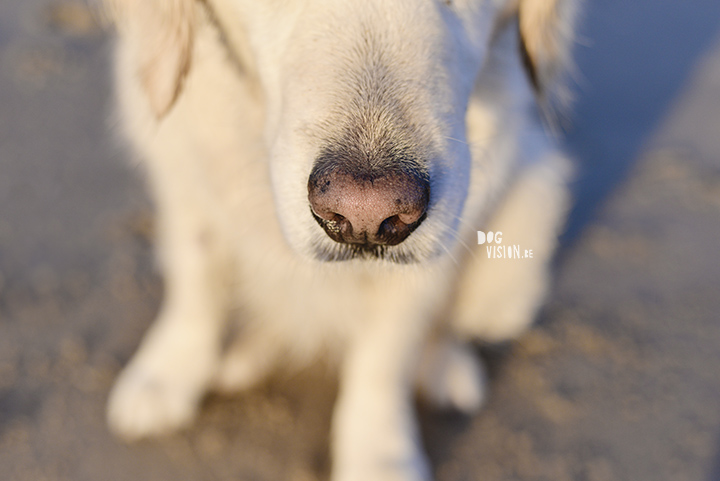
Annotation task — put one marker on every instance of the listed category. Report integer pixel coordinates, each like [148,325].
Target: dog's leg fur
[499,298]
[450,375]
[160,389]
[247,362]
[374,427]
[496,299]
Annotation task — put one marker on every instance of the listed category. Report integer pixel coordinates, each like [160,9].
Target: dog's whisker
[472,252]
[456,140]
[457,238]
[452,257]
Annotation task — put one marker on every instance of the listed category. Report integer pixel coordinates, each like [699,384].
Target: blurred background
[620,381]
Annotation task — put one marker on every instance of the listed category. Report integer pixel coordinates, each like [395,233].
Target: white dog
[323,169]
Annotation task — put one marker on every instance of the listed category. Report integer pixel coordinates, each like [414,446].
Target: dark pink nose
[371,210]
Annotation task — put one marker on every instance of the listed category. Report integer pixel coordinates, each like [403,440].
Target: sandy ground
[620,381]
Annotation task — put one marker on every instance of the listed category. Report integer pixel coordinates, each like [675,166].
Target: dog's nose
[368,209]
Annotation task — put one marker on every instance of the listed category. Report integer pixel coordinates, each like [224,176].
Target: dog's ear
[160,36]
[546,35]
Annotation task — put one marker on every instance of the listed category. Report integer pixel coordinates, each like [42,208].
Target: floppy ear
[546,35]
[160,36]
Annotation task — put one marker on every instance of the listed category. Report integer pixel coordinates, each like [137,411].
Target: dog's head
[365,104]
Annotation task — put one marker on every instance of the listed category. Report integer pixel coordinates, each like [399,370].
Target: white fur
[228,132]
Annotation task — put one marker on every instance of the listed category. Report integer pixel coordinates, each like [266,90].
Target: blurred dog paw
[145,404]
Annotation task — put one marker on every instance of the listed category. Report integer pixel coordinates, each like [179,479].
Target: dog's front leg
[375,435]
[498,297]
[160,389]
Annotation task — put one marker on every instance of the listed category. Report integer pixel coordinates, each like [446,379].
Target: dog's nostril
[340,225]
[335,225]
[392,230]
[395,229]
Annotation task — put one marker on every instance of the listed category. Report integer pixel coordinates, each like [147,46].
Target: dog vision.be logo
[495,249]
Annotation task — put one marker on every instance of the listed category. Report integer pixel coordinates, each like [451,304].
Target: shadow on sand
[633,60]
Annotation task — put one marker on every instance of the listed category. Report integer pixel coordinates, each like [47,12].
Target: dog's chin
[332,251]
